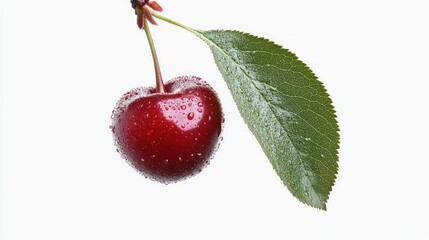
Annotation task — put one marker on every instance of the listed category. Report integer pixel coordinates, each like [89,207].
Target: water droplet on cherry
[191,115]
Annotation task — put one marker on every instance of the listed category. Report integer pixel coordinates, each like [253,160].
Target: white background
[64,64]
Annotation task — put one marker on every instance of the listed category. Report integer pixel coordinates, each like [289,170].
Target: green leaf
[286,108]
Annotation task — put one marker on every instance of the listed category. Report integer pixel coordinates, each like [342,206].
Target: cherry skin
[169,136]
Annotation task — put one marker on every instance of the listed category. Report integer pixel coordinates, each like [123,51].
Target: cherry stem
[160,88]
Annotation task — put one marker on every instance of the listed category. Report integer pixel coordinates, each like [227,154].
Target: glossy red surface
[169,137]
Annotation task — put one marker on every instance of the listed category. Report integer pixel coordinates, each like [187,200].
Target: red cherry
[169,136]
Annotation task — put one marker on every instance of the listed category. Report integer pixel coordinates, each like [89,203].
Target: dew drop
[200,110]
[199,154]
[142,159]
[200,104]
[166,160]
[183,107]
[183,126]
[190,115]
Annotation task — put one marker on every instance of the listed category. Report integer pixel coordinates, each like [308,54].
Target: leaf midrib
[273,112]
